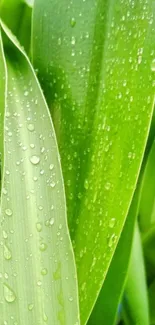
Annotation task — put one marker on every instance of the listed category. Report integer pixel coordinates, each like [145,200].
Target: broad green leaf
[149,252]
[38,277]
[152,302]
[106,307]
[147,201]
[135,303]
[2,96]
[96,64]
[17,15]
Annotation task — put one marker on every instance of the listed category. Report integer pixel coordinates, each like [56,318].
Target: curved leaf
[152,302]
[96,65]
[2,96]
[38,276]
[147,201]
[107,304]
[17,16]
[135,302]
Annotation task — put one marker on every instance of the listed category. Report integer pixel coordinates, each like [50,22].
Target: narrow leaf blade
[38,282]
[100,87]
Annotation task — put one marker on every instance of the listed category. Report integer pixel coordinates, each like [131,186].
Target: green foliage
[74,152]
[36,253]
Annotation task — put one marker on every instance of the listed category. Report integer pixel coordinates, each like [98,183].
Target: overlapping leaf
[135,302]
[96,64]
[37,270]
[107,304]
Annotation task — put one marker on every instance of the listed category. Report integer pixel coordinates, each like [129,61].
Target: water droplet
[51,166]
[57,273]
[9,294]
[44,271]
[39,283]
[30,307]
[35,160]
[112,240]
[86,184]
[43,247]
[26,93]
[73,40]
[5,235]
[73,22]
[30,127]
[4,191]
[7,253]
[45,318]
[70,298]
[39,226]
[153,65]
[51,221]
[8,212]
[112,222]
[107,186]
[52,184]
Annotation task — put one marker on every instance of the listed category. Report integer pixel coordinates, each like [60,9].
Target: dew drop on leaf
[153,65]
[86,184]
[9,294]
[70,298]
[51,166]
[107,186]
[57,273]
[45,318]
[8,212]
[30,127]
[39,226]
[35,160]
[73,22]
[112,240]
[5,236]
[7,253]
[30,307]
[51,222]
[112,222]
[43,247]
[44,271]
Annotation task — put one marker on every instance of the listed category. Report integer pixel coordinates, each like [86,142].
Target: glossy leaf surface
[38,277]
[135,303]
[147,202]
[2,96]
[96,62]
[17,16]
[107,304]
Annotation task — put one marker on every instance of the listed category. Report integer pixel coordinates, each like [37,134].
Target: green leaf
[147,201]
[96,65]
[2,96]
[106,307]
[152,303]
[38,277]
[17,16]
[149,252]
[135,303]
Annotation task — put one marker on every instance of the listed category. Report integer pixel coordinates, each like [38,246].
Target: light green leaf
[96,65]
[135,303]
[152,302]
[106,307]
[38,277]
[147,201]
[2,96]
[17,16]
[149,252]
